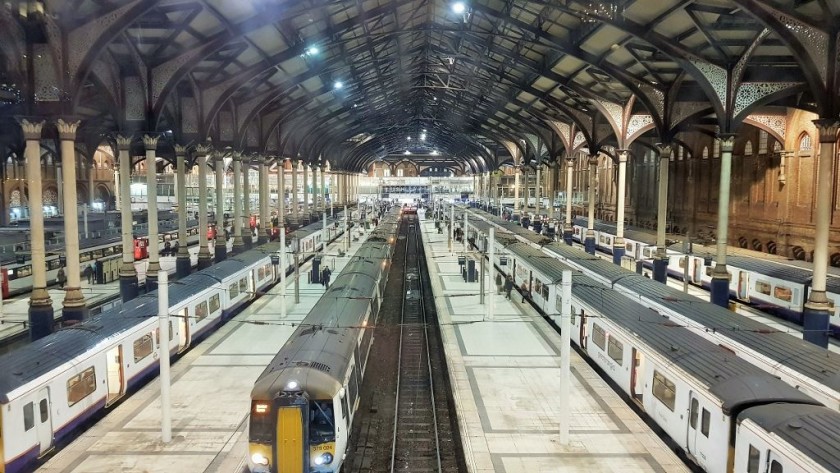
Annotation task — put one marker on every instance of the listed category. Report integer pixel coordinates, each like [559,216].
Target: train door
[43,422]
[583,329]
[114,364]
[693,421]
[774,463]
[697,274]
[291,438]
[184,330]
[252,284]
[636,386]
[743,285]
[699,424]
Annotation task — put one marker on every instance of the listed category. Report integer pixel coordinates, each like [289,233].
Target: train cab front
[292,434]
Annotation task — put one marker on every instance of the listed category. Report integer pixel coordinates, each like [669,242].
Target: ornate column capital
[150,142]
[827,129]
[592,159]
[67,130]
[31,130]
[203,149]
[622,154]
[236,156]
[664,150]
[123,142]
[727,141]
[217,156]
[180,151]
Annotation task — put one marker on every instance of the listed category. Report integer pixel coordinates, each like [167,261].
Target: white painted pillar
[516,184]
[247,233]
[182,263]
[491,242]
[294,200]
[265,222]
[306,210]
[221,240]
[565,353]
[537,190]
[593,186]
[163,354]
[567,221]
[74,306]
[618,244]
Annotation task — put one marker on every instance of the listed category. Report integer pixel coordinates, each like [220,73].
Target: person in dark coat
[325,276]
[524,289]
[89,274]
[508,287]
[498,283]
[61,278]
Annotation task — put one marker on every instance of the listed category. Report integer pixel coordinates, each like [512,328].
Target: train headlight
[324,459]
[259,459]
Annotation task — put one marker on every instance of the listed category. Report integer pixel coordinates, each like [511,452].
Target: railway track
[416,443]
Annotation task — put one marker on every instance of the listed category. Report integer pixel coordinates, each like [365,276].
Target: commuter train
[304,403]
[778,287]
[810,369]
[724,413]
[51,386]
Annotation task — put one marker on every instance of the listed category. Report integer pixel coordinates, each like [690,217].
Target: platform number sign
[503,261]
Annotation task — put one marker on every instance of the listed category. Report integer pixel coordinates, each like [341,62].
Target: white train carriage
[780,438]
[50,387]
[304,403]
[693,389]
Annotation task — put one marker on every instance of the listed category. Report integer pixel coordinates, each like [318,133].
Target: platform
[504,378]
[211,388]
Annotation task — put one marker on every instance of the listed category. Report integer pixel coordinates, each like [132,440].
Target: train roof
[631,233]
[770,268]
[606,270]
[733,380]
[38,358]
[326,339]
[811,430]
[819,364]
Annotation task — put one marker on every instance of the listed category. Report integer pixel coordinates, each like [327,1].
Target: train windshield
[321,422]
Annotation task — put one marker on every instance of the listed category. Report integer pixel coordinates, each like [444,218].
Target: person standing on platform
[89,274]
[498,283]
[61,278]
[325,277]
[524,290]
[508,287]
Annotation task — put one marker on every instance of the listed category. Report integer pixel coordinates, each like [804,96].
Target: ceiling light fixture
[407,152]
[459,7]
[338,84]
[312,51]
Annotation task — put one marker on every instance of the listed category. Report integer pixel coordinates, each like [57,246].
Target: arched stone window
[716,151]
[804,142]
[748,148]
[762,142]
[705,152]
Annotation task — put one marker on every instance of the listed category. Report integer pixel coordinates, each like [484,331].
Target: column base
[589,245]
[238,245]
[74,308]
[262,239]
[182,266]
[719,290]
[660,270]
[205,259]
[618,253]
[41,319]
[248,241]
[221,252]
[815,324]
[128,287]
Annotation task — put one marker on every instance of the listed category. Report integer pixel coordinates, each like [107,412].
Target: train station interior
[690,142]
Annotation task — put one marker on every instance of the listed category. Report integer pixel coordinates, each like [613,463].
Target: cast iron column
[618,244]
[41,315]
[221,237]
[660,263]
[182,262]
[720,276]
[568,230]
[74,306]
[818,309]
[204,257]
[128,273]
[589,241]
[238,246]
[150,143]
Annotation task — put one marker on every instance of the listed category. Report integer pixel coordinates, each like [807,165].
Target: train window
[692,413]
[53,264]
[344,410]
[762,287]
[157,334]
[234,290]
[200,311]
[628,247]
[754,460]
[682,263]
[22,272]
[782,293]
[44,409]
[28,417]
[81,386]
[664,390]
[84,257]
[260,423]
[215,304]
[545,292]
[704,423]
[599,336]
[321,422]
[261,273]
[143,347]
[243,285]
[615,350]
[574,315]
[776,467]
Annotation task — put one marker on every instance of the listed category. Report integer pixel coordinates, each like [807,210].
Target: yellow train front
[303,404]
[299,431]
